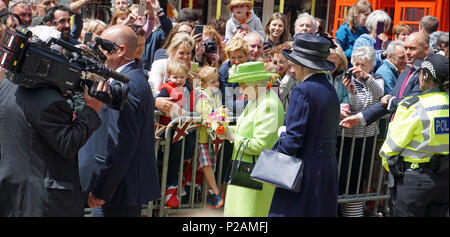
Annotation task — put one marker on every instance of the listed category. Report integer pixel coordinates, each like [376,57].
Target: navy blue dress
[311,128]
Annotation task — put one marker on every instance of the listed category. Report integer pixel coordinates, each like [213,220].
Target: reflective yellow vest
[420,128]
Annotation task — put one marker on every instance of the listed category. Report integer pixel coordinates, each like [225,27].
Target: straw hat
[239,2]
[248,72]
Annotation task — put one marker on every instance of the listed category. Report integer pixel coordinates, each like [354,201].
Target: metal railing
[374,192]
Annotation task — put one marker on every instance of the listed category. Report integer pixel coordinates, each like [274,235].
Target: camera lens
[348,74]
[210,46]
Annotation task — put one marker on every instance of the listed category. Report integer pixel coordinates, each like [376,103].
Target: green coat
[259,122]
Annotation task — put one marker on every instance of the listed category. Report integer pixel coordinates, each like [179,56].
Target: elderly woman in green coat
[259,123]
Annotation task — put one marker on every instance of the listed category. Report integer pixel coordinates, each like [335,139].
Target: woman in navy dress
[311,127]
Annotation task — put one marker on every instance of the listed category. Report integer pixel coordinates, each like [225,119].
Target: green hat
[248,72]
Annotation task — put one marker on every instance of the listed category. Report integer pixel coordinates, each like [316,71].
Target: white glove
[281,130]
[227,135]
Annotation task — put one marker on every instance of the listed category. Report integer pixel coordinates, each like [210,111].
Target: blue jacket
[311,129]
[366,40]
[389,73]
[118,161]
[229,99]
[155,41]
[346,39]
[341,90]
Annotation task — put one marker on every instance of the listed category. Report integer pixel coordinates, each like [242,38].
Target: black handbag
[238,172]
[279,169]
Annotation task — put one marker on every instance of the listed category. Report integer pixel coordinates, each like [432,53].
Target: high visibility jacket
[420,128]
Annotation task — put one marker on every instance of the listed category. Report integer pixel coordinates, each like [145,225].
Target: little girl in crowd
[208,98]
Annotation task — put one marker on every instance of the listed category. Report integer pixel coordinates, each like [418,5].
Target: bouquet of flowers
[218,120]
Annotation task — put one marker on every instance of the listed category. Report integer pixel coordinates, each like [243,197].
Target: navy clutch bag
[279,169]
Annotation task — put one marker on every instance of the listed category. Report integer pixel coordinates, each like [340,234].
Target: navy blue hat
[310,51]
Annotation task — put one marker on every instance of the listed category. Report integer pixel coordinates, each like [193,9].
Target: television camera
[36,64]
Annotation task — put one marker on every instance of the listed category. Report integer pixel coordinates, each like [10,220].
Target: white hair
[305,14]
[364,52]
[391,47]
[113,4]
[253,34]
[375,17]
[13,3]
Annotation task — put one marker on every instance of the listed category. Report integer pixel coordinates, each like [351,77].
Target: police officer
[417,145]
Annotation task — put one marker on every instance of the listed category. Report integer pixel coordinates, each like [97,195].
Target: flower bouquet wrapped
[218,120]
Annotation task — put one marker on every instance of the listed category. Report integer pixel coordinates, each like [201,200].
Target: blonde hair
[177,67]
[179,39]
[94,26]
[2,30]
[117,14]
[207,73]
[173,32]
[235,44]
[359,7]
[400,27]
[342,58]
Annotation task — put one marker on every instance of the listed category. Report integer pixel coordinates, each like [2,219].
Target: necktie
[405,82]
[402,89]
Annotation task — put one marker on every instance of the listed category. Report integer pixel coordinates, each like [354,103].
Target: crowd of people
[281,90]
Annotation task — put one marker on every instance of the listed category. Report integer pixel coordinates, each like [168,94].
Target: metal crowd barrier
[165,144]
[375,192]
[353,203]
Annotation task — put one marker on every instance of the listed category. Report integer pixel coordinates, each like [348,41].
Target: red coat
[171,89]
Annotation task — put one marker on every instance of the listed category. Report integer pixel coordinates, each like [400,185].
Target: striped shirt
[368,93]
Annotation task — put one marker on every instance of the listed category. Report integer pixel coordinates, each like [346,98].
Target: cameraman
[40,139]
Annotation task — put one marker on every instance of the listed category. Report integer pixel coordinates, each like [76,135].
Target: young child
[174,87]
[207,99]
[242,17]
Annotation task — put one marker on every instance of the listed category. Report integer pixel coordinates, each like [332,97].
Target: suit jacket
[230,91]
[118,161]
[39,146]
[376,111]
[311,129]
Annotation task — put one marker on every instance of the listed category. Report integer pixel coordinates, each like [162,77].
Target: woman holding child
[258,124]
[180,48]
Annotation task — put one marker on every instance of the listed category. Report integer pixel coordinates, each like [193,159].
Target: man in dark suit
[416,46]
[40,139]
[118,165]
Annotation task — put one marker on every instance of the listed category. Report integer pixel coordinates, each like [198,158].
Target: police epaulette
[410,101]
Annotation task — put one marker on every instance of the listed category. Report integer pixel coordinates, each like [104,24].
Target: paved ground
[198,212]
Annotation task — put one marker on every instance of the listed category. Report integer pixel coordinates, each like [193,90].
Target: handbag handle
[242,153]
[231,172]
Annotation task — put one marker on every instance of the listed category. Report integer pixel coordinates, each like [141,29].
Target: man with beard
[59,18]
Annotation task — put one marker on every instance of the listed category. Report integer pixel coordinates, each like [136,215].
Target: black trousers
[420,195]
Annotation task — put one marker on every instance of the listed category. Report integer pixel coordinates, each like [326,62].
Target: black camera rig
[36,65]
